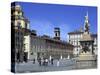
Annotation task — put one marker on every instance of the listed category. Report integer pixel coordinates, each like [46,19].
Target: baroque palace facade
[46,47]
[27,45]
[19,26]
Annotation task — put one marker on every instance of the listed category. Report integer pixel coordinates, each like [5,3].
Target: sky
[45,17]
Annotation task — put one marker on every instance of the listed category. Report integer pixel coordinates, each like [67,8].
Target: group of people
[44,61]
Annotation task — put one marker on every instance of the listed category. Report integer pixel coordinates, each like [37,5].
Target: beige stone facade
[44,47]
[18,26]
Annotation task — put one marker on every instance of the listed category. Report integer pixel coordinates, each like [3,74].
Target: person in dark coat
[39,60]
[52,61]
[33,61]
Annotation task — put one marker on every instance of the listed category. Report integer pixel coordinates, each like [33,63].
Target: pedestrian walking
[58,63]
[52,61]
[39,60]
[43,62]
[46,62]
[33,61]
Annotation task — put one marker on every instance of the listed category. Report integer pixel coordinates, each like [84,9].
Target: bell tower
[57,33]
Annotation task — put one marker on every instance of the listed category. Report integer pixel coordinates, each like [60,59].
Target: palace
[46,47]
[27,45]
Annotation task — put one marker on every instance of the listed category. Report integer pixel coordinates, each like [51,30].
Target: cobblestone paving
[63,65]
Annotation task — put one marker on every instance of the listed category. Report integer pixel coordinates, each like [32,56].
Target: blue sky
[44,17]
